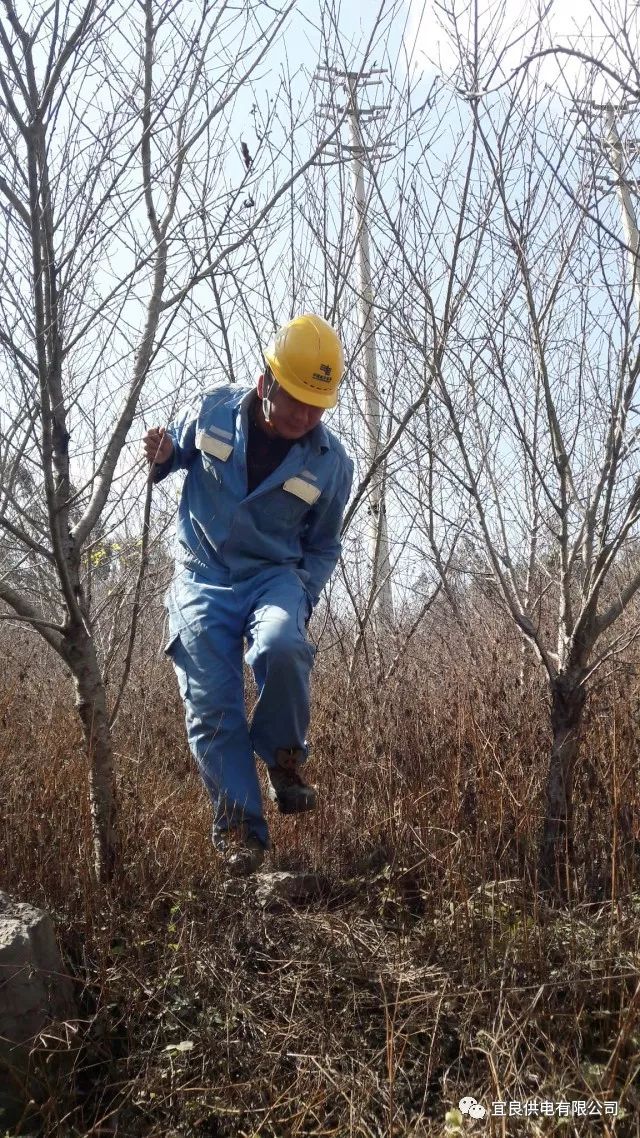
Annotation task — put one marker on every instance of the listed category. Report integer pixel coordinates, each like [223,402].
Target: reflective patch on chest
[302,489]
[209,445]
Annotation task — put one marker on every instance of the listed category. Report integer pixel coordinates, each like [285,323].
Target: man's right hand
[158,446]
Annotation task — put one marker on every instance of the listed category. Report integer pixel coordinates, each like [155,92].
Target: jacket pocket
[286,509]
[174,649]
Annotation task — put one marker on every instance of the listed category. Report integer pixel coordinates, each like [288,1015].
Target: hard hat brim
[304,395]
[300,391]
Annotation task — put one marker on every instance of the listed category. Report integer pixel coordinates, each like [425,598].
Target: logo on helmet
[324,375]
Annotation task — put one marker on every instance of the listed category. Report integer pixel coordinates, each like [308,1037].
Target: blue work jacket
[291,519]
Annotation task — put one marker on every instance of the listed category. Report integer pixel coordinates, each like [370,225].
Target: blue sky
[518,29]
[295,56]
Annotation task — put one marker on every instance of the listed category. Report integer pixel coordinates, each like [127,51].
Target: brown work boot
[288,788]
[243,853]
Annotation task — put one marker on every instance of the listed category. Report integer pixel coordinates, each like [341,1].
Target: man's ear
[260,386]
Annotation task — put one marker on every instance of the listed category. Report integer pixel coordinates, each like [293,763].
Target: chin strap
[268,389]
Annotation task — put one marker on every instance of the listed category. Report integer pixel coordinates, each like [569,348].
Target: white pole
[378,536]
[629,220]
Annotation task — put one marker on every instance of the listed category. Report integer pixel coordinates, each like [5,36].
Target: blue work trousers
[208,624]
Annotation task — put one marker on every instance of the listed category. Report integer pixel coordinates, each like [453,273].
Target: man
[258,538]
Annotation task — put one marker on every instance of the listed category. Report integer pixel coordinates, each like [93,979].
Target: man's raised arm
[172,447]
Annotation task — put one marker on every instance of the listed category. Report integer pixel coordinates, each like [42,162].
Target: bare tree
[123,196]
[530,334]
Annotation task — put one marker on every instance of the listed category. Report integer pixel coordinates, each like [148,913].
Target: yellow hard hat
[306,358]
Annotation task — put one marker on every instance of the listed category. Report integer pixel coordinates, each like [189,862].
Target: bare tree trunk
[568,696]
[91,705]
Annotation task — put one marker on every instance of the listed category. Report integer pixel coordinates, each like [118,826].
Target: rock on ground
[34,988]
[275,889]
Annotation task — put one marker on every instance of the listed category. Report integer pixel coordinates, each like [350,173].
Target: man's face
[289,417]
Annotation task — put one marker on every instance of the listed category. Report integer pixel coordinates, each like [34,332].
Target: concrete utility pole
[623,188]
[378,534]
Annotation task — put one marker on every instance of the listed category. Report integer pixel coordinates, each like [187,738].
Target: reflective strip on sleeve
[302,489]
[216,447]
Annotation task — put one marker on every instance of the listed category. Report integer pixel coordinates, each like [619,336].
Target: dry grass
[429,969]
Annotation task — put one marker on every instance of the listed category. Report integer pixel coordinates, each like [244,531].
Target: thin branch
[25,613]
[634,92]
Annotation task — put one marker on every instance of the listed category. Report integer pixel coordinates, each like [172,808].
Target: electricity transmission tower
[350,81]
